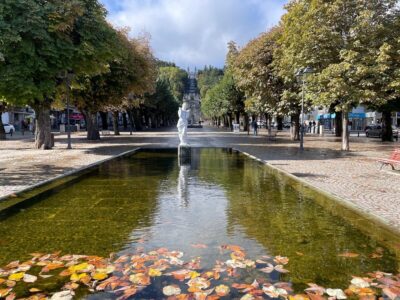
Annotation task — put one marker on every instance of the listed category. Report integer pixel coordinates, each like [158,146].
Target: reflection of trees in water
[286,223]
[93,216]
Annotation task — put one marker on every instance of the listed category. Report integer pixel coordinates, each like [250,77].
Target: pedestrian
[314,125]
[255,127]
[309,126]
[23,127]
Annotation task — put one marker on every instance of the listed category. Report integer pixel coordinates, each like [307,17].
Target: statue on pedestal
[182,125]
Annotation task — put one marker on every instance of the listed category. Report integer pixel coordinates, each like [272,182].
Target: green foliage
[41,40]
[224,98]
[207,78]
[176,78]
[255,73]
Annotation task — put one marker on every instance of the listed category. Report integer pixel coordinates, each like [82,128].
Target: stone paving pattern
[353,176]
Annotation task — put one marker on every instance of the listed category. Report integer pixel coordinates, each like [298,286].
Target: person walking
[23,127]
[255,127]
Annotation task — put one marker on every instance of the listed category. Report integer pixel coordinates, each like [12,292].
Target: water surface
[221,197]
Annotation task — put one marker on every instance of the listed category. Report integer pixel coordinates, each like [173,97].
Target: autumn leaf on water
[171,290]
[281,260]
[29,278]
[222,290]
[16,276]
[349,255]
[199,246]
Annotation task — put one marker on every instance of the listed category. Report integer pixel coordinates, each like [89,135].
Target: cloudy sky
[195,32]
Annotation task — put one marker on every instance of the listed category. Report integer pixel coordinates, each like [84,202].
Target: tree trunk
[246,126]
[43,126]
[3,135]
[387,132]
[230,121]
[124,121]
[345,132]
[279,120]
[295,128]
[138,120]
[93,133]
[104,123]
[115,123]
[269,123]
[131,121]
[338,124]
[237,116]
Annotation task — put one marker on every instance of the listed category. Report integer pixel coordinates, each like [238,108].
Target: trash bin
[236,128]
[321,130]
[78,127]
[62,127]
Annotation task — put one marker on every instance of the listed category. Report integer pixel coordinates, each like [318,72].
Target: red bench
[392,161]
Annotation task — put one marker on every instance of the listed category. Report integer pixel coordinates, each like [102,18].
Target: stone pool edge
[18,197]
[367,214]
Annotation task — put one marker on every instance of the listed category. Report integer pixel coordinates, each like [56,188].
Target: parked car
[9,129]
[286,125]
[376,131]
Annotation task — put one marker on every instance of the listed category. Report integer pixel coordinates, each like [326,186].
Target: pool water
[222,197]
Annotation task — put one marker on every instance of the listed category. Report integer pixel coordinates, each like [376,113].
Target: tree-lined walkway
[353,176]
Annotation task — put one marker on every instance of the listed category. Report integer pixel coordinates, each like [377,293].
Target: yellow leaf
[99,276]
[194,274]
[16,276]
[79,267]
[154,272]
[77,277]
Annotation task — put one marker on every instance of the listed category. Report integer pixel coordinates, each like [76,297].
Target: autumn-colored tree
[256,76]
[131,71]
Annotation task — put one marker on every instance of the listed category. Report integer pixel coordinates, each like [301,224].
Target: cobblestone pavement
[353,176]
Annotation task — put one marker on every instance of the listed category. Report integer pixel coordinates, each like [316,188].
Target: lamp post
[301,74]
[68,79]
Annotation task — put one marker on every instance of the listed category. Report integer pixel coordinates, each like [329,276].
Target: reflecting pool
[222,197]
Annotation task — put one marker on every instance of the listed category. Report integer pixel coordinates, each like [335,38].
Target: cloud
[195,32]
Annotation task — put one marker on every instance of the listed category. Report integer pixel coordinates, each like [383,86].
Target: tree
[177,80]
[341,41]
[256,76]
[207,78]
[41,42]
[131,70]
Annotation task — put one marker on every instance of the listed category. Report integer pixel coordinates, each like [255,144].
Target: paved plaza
[354,177]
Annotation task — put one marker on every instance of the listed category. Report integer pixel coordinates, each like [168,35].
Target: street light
[68,79]
[302,74]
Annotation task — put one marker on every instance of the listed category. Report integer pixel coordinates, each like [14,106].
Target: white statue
[182,125]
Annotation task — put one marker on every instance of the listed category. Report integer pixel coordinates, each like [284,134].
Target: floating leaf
[171,290]
[29,278]
[349,254]
[199,246]
[273,292]
[4,292]
[222,290]
[360,282]
[281,260]
[154,272]
[337,293]
[16,276]
[99,276]
[64,295]
[34,290]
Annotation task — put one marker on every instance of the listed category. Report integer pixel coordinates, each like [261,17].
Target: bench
[392,161]
[105,132]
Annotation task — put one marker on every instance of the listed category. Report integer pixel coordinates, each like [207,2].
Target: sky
[195,33]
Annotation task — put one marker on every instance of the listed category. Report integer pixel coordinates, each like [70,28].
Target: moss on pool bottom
[147,200]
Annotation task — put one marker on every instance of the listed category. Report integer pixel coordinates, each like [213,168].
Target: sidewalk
[353,176]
